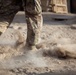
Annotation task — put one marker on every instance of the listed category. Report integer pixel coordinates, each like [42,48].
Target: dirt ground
[17,61]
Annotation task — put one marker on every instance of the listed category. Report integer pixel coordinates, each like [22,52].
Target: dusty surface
[18,61]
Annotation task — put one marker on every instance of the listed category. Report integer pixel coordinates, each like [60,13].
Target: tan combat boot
[30,47]
[33,48]
[0,32]
[3,27]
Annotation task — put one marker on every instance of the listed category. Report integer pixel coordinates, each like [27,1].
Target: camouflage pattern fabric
[32,8]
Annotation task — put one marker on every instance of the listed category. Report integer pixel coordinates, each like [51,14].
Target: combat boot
[3,27]
[0,32]
[33,48]
[30,47]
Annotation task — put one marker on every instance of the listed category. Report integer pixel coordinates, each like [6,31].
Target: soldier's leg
[34,21]
[8,9]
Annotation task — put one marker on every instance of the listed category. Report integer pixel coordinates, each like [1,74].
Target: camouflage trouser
[32,8]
